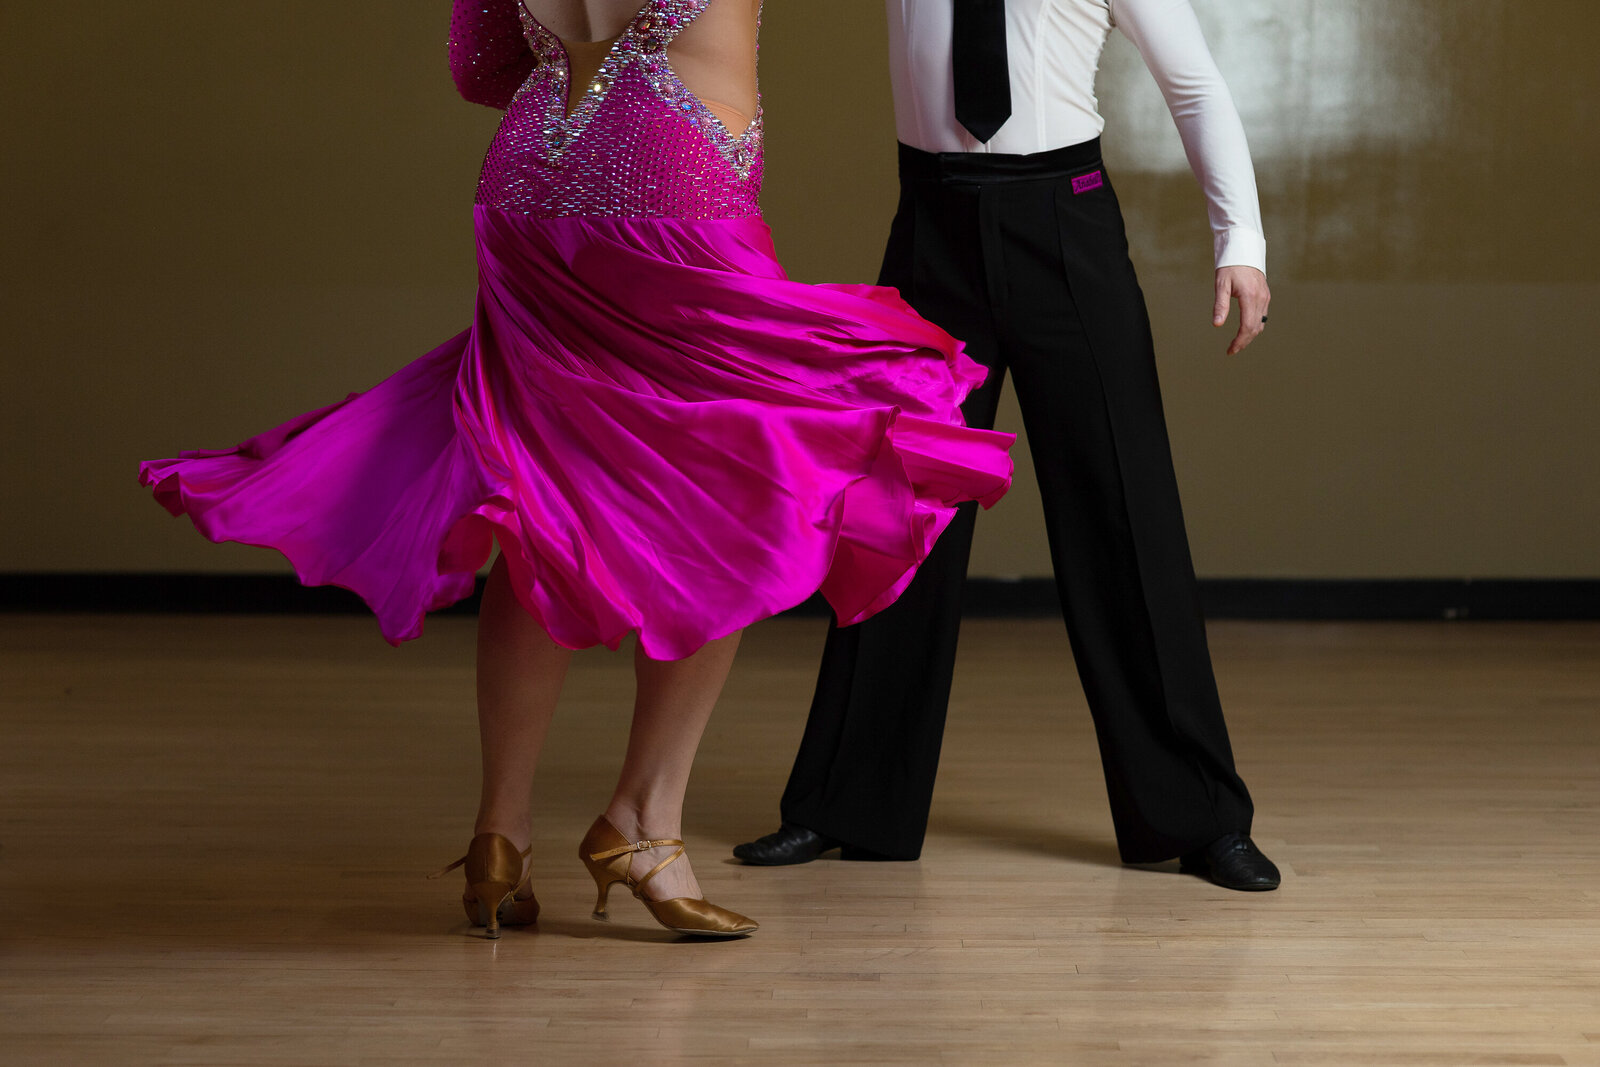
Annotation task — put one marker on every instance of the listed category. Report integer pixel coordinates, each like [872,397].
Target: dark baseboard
[1485,599]
[1223,598]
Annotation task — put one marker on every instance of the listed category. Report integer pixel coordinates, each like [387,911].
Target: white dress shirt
[1054,47]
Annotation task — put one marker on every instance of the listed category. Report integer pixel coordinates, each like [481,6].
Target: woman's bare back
[714,57]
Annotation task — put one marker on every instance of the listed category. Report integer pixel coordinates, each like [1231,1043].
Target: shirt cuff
[1241,247]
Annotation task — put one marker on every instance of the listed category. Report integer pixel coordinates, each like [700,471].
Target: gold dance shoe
[607,855]
[497,893]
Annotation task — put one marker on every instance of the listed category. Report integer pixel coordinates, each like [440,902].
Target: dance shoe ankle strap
[637,846]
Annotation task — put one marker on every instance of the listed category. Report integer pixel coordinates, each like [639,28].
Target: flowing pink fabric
[732,444]
[664,434]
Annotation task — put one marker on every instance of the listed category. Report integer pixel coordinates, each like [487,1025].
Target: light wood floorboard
[214,831]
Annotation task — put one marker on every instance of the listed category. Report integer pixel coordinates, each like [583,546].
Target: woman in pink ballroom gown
[664,435]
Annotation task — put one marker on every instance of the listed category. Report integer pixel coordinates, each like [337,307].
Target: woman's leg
[520,671]
[674,703]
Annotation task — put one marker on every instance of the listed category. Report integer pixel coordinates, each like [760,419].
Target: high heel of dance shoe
[497,894]
[607,854]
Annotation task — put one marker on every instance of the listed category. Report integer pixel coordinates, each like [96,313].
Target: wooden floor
[215,832]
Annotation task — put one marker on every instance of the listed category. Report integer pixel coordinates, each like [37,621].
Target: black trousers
[1025,259]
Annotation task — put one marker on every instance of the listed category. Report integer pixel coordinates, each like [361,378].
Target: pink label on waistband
[1086,182]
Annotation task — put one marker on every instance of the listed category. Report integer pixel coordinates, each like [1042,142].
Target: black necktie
[982,75]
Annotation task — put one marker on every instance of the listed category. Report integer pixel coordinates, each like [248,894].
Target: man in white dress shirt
[1008,234]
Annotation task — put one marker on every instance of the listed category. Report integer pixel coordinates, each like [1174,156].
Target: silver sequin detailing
[637,143]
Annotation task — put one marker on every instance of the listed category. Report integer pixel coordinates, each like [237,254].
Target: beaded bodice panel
[637,142]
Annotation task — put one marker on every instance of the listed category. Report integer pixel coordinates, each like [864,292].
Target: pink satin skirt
[663,433]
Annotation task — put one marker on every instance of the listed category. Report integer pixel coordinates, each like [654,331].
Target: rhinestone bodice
[637,144]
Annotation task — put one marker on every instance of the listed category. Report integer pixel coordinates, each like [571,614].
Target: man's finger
[1219,310]
[1241,339]
[1252,319]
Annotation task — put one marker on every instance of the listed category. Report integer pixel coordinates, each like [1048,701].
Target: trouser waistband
[919,166]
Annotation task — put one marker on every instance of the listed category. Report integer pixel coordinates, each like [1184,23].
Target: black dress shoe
[789,844]
[1234,862]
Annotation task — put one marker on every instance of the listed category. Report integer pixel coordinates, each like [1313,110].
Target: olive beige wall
[217,215]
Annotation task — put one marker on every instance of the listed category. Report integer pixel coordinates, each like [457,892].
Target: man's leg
[865,771]
[1079,341]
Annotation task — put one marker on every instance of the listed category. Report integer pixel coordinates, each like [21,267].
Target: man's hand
[1249,287]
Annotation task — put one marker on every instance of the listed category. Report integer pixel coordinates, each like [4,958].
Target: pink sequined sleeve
[489,57]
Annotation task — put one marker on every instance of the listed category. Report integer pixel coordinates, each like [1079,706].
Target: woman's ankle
[643,824]
[676,878]
[518,831]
